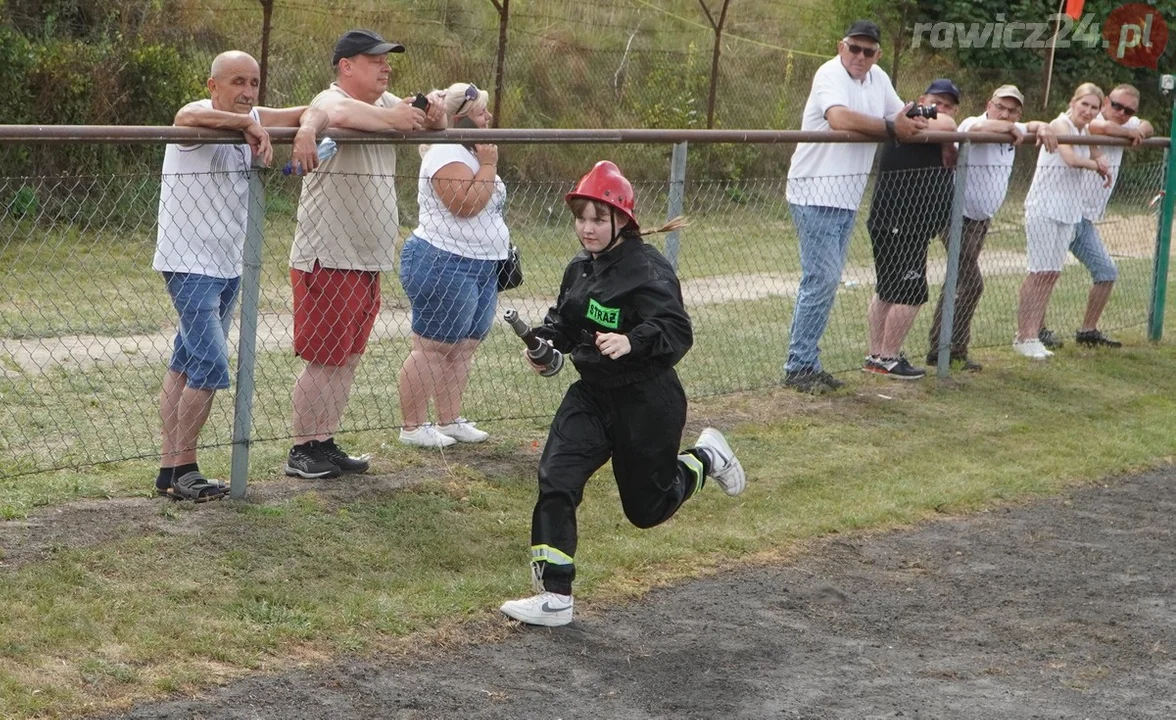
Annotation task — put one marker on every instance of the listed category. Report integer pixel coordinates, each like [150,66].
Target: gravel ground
[1063,608]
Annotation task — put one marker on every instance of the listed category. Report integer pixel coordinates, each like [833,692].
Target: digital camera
[926,111]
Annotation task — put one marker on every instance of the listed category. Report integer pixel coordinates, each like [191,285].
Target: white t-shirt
[483,236]
[835,174]
[989,168]
[1058,191]
[203,203]
[1098,196]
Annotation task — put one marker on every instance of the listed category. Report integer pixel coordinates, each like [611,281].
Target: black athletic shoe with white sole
[347,464]
[311,461]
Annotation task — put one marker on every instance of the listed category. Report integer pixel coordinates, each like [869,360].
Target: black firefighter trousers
[640,427]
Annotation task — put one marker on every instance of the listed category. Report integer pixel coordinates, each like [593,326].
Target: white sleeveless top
[1058,191]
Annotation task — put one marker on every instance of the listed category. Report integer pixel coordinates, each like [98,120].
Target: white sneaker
[725,467]
[426,436]
[463,430]
[1031,349]
[547,608]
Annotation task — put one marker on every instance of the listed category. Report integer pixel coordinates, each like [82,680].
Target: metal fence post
[247,342]
[1159,296]
[950,278]
[677,199]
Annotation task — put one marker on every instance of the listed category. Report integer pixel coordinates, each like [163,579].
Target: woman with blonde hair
[448,268]
[1053,209]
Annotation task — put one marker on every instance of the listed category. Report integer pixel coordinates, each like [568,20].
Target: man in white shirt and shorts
[203,204]
[1118,118]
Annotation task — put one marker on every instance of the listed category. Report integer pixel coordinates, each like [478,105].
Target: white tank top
[1058,191]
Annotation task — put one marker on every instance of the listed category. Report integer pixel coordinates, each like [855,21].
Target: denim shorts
[453,297]
[1088,247]
[205,306]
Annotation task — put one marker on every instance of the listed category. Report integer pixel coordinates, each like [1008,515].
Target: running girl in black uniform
[620,317]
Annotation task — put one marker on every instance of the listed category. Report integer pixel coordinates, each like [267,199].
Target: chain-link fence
[88,327]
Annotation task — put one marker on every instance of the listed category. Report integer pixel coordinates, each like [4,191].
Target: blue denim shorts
[1088,247]
[453,297]
[201,349]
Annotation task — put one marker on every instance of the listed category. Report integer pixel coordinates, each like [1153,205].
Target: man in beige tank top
[347,226]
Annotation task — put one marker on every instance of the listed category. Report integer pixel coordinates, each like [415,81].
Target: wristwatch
[891,131]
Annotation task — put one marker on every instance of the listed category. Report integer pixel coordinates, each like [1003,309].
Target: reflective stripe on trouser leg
[548,554]
[694,466]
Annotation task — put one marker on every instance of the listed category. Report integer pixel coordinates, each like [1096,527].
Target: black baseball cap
[943,86]
[865,28]
[363,42]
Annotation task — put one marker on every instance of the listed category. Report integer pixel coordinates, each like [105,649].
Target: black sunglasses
[471,94]
[1126,110]
[859,50]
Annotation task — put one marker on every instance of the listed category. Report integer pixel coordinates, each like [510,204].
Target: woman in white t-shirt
[1053,208]
[449,270]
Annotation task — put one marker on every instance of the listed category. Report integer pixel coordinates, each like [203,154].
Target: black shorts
[900,259]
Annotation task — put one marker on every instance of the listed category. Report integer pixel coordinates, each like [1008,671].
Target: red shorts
[334,313]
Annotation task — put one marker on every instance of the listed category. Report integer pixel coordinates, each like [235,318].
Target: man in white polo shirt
[203,204]
[826,182]
[989,168]
[346,235]
[1117,119]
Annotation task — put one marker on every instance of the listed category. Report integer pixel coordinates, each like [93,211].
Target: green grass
[307,576]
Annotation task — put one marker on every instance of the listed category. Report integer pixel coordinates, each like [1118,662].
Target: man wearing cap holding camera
[911,203]
[826,182]
[347,227]
[989,168]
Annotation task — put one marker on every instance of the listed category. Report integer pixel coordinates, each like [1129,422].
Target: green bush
[24,203]
[156,81]
[17,57]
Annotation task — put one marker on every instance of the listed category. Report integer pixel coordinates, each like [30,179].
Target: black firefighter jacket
[631,290]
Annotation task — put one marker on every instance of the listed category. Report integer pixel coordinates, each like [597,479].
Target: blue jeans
[1088,247]
[824,244]
[201,349]
[453,297]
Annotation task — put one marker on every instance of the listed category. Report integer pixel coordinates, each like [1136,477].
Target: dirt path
[1060,609]
[1126,237]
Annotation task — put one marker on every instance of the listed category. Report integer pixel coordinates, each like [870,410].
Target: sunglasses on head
[471,94]
[866,52]
[1125,109]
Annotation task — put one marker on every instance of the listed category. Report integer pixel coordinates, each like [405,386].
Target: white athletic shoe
[724,466]
[547,609]
[463,430]
[1033,349]
[426,436]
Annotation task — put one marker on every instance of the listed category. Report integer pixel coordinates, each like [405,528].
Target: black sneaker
[1049,339]
[347,464]
[310,461]
[811,381]
[1095,338]
[898,368]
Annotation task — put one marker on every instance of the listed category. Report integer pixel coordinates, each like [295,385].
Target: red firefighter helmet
[605,183]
